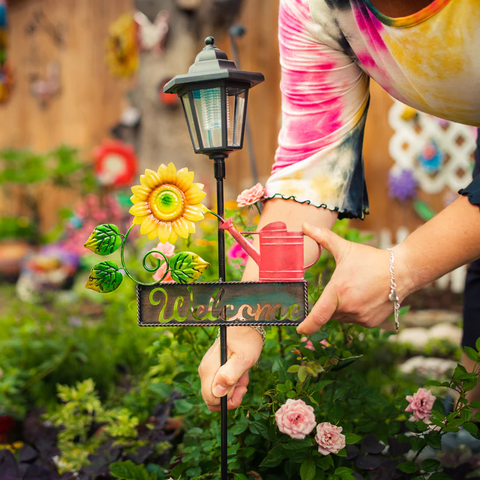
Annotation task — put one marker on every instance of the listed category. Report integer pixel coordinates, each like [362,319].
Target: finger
[237,395]
[326,238]
[321,313]
[229,374]
[207,371]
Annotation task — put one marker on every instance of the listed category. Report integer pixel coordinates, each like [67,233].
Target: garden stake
[167,202]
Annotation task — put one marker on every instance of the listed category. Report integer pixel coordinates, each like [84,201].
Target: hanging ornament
[151,36]
[44,89]
[431,157]
[121,46]
[115,163]
[402,185]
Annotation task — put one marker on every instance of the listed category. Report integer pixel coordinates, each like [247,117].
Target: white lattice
[410,137]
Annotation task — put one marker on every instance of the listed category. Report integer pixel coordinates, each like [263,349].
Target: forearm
[449,240]
[293,214]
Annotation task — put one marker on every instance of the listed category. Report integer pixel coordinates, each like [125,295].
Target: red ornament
[115,163]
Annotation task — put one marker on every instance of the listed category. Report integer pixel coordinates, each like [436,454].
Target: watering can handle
[316,260]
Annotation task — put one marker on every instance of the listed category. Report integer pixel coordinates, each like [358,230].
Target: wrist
[403,272]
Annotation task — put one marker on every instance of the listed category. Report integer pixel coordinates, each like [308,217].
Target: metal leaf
[186,267]
[104,277]
[104,240]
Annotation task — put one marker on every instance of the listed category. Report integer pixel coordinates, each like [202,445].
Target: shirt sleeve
[473,190]
[325,97]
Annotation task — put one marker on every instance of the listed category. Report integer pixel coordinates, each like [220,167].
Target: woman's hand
[359,288]
[244,348]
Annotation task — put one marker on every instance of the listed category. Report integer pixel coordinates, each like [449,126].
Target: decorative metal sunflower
[167,203]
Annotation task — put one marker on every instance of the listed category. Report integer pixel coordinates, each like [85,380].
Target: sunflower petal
[180,227]
[173,237]
[153,234]
[184,179]
[195,194]
[148,225]
[170,174]
[140,209]
[138,220]
[190,226]
[193,213]
[164,231]
[141,192]
[150,179]
[161,172]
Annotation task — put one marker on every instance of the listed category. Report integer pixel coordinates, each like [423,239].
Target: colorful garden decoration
[121,46]
[115,163]
[151,36]
[167,203]
[431,157]
[402,185]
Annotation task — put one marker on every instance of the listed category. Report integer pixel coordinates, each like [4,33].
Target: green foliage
[80,411]
[129,471]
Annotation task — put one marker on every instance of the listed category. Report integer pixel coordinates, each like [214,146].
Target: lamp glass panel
[208,107]
[191,124]
[235,115]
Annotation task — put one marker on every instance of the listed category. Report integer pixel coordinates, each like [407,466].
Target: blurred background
[82,114]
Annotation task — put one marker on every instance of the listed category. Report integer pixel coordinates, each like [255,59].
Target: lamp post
[214,95]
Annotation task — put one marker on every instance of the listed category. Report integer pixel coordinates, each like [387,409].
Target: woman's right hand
[244,348]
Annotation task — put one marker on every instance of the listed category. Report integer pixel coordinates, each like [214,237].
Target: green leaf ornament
[104,240]
[104,277]
[186,267]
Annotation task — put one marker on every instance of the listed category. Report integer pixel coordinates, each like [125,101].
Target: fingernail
[219,391]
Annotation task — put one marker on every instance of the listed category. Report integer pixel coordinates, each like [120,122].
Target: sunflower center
[167,202]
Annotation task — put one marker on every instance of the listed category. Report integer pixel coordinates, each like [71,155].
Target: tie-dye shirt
[328,50]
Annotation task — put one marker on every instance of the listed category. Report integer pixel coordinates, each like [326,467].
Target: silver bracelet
[259,329]
[393,297]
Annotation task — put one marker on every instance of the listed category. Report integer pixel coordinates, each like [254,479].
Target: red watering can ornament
[280,256]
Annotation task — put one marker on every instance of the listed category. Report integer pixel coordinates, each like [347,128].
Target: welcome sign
[216,304]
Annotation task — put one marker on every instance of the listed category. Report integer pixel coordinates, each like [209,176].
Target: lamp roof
[212,64]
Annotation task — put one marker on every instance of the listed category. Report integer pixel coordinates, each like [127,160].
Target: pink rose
[324,344]
[295,418]
[251,195]
[236,251]
[420,404]
[308,343]
[329,438]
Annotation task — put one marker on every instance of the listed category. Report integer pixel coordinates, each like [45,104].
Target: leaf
[104,240]
[407,467]
[104,277]
[293,369]
[424,211]
[471,428]
[297,445]
[471,353]
[430,465]
[129,471]
[477,344]
[440,476]
[345,362]
[274,457]
[302,373]
[186,267]
[351,438]
[307,470]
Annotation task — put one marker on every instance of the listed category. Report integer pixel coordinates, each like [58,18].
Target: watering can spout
[252,252]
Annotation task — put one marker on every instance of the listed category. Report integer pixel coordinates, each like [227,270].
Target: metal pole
[219,170]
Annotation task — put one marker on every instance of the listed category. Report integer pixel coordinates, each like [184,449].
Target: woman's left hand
[359,288]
